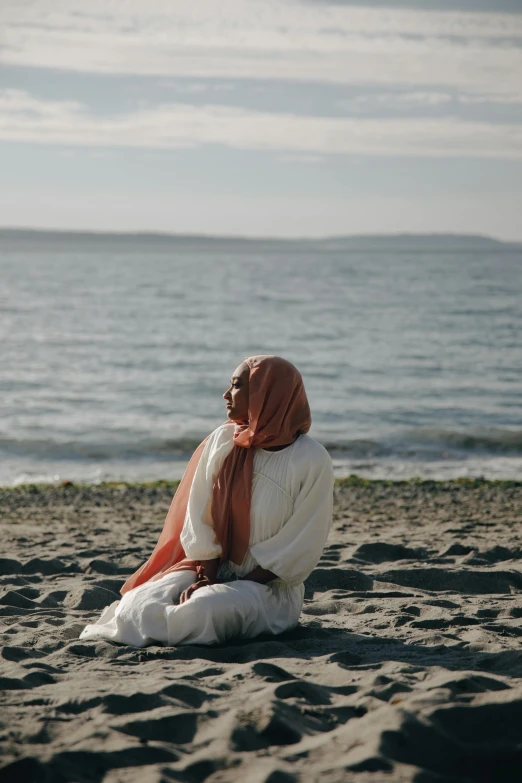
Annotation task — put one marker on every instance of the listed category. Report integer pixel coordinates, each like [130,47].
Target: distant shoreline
[429,241]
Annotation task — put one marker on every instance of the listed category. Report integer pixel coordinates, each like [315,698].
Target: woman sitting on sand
[246,526]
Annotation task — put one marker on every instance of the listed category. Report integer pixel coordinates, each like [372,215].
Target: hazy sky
[262,117]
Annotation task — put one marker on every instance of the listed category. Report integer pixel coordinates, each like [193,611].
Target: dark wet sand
[406,665]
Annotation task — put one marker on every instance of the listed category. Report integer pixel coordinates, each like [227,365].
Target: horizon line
[150,234]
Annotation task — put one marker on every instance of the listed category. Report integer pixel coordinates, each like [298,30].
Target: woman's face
[236,396]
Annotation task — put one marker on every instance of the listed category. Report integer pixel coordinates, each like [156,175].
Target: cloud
[268,39]
[195,88]
[24,118]
[409,99]
[510,6]
[417,102]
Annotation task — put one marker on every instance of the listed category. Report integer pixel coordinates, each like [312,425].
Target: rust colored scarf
[278,413]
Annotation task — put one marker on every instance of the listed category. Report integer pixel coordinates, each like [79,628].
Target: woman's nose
[226,394]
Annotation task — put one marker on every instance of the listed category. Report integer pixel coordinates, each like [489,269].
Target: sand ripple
[406,666]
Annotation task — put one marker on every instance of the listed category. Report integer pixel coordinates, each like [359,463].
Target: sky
[262,117]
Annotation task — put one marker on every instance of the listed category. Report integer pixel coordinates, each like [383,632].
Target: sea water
[115,353]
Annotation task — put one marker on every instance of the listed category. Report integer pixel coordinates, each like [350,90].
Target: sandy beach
[406,664]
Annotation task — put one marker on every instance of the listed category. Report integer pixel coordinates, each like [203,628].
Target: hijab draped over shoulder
[278,412]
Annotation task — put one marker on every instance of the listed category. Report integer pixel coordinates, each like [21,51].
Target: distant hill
[30,238]
[418,241]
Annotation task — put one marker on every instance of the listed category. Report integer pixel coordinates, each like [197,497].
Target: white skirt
[151,614]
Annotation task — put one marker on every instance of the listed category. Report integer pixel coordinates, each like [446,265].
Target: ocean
[116,350]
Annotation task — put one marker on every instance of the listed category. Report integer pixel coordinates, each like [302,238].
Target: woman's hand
[186,594]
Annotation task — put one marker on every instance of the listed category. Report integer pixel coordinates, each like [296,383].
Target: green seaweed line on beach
[340,483]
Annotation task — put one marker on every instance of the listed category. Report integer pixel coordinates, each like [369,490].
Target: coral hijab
[278,412]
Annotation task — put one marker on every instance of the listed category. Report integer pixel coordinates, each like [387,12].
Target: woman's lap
[151,613]
[220,612]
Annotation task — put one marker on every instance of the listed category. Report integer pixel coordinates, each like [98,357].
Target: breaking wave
[422,444]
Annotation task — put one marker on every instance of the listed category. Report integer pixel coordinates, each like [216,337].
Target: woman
[246,526]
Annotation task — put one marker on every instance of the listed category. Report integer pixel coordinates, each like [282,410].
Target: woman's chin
[234,418]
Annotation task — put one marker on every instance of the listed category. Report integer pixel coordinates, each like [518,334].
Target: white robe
[291,514]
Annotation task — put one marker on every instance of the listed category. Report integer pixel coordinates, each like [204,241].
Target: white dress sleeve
[197,537]
[294,551]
